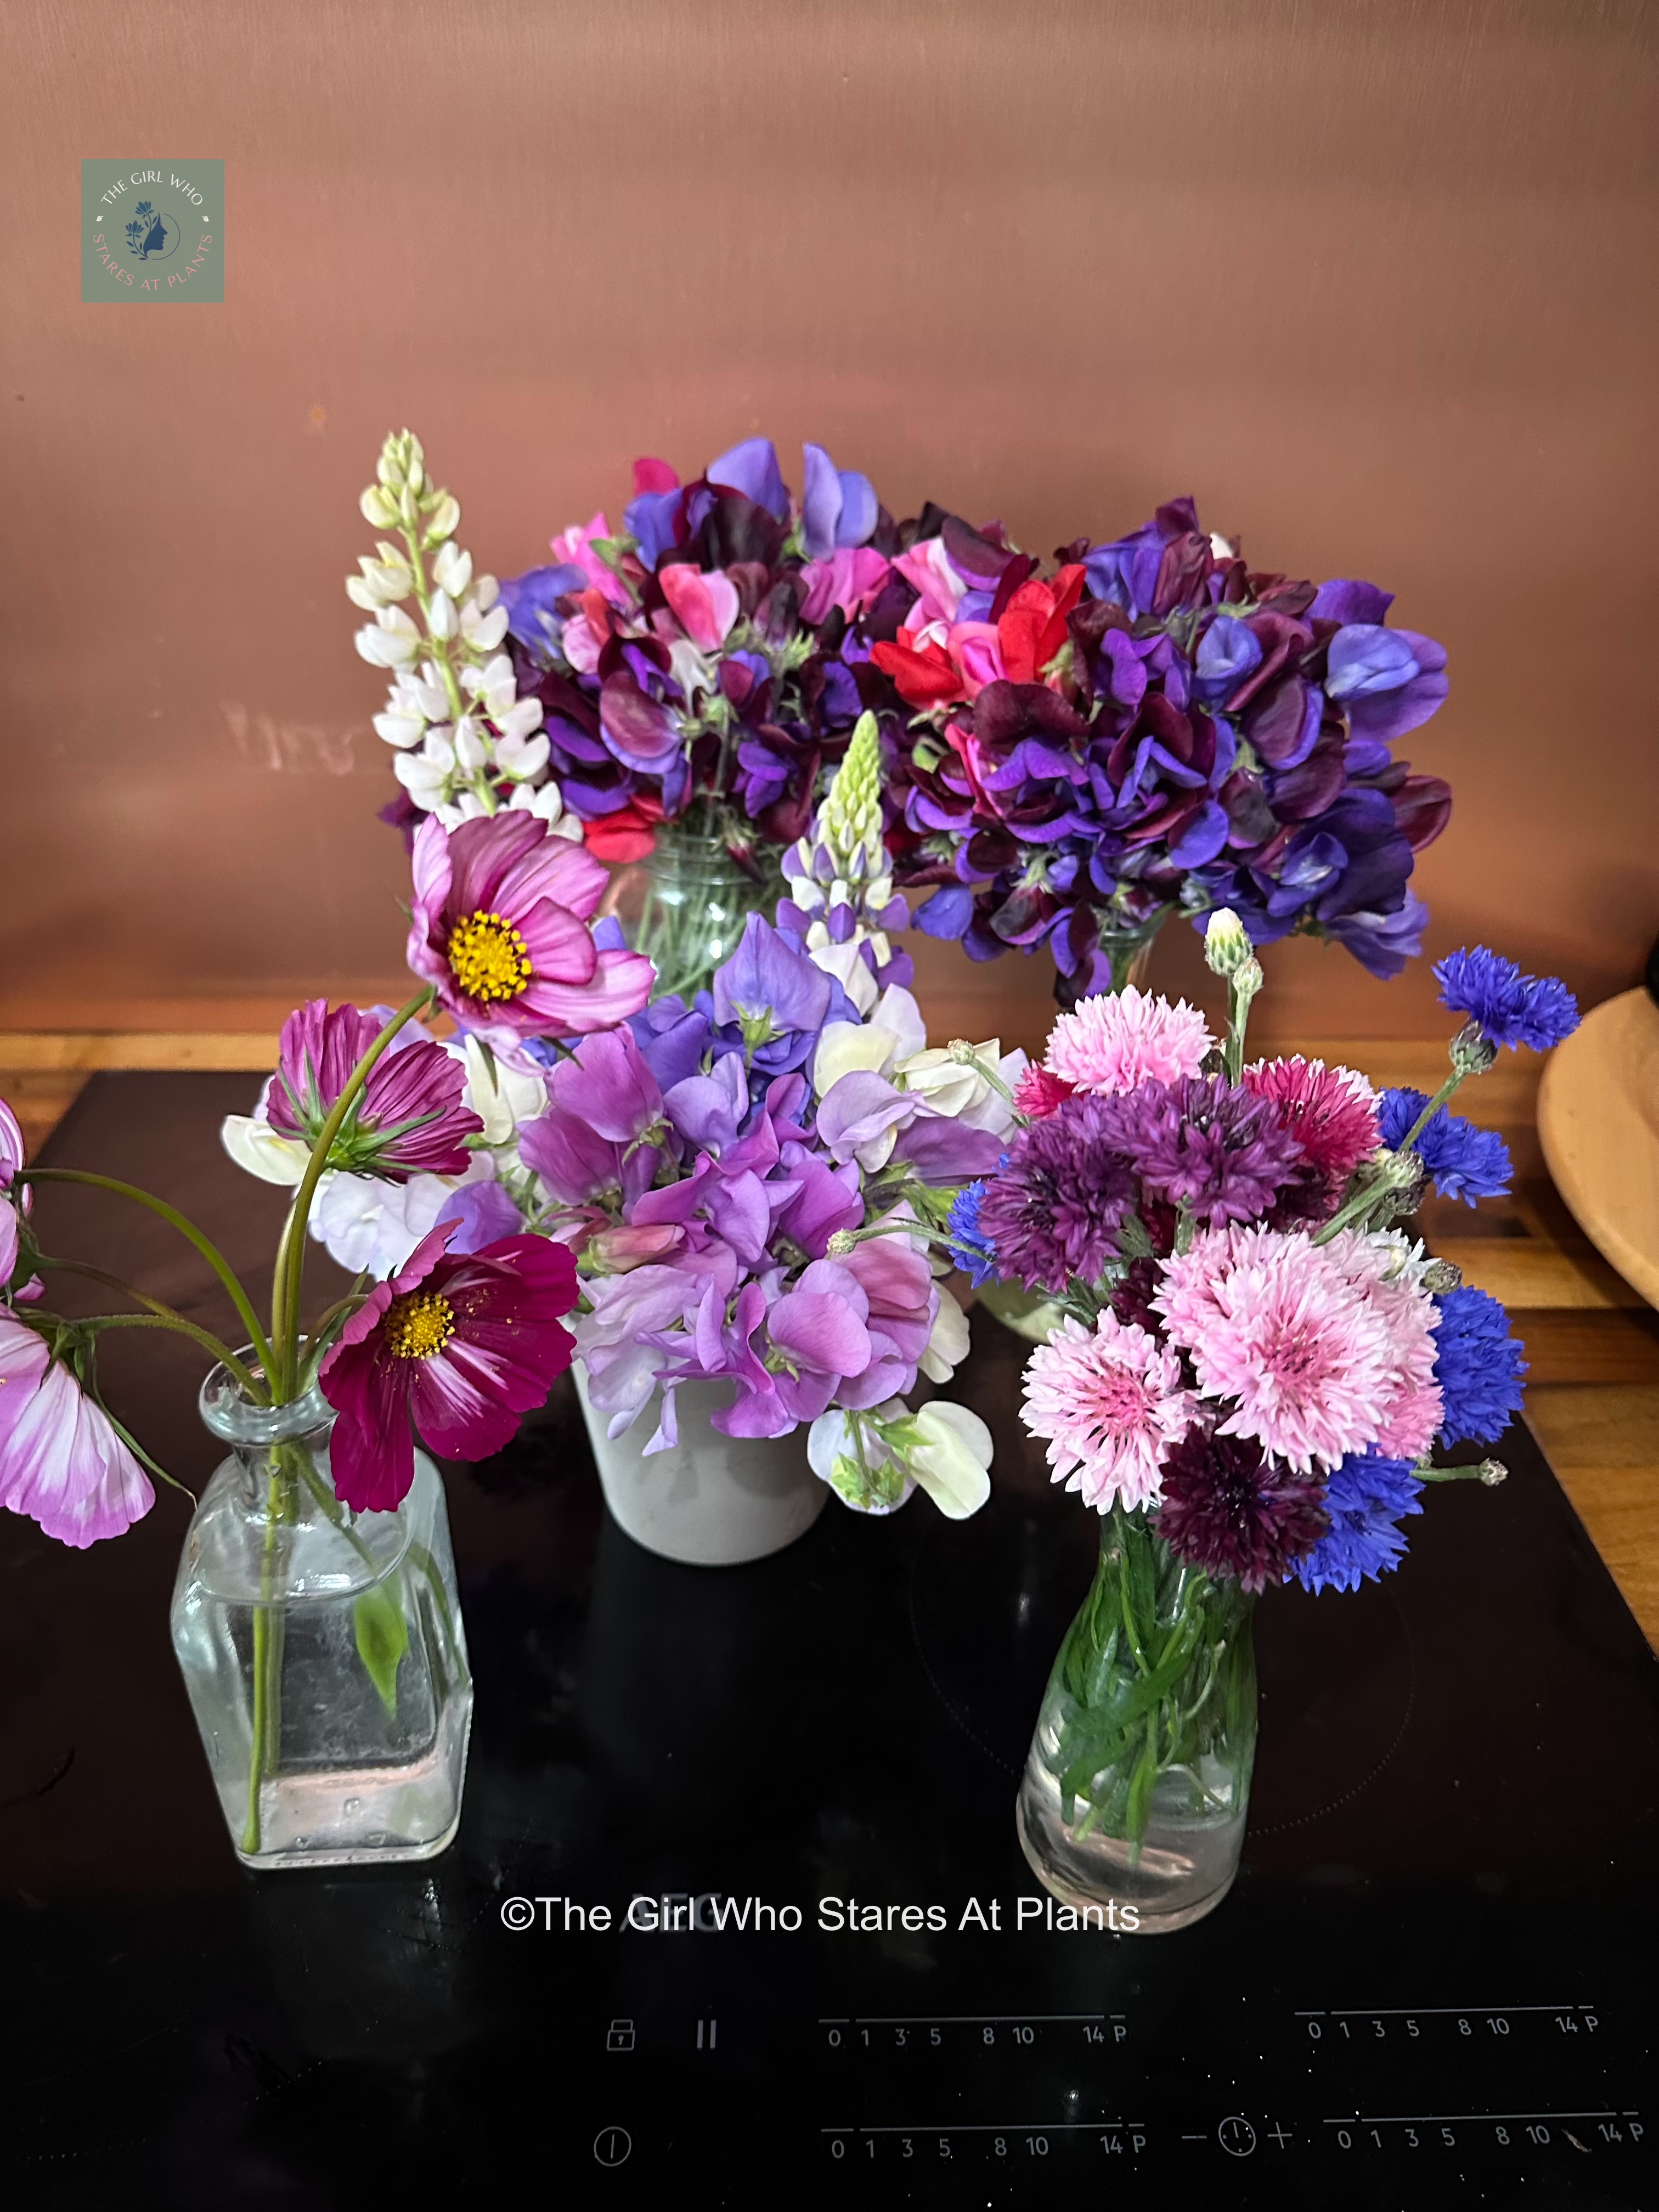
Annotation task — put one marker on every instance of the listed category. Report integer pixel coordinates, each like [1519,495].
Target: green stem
[157,1316]
[1430,1111]
[267,1717]
[285,1323]
[186,1228]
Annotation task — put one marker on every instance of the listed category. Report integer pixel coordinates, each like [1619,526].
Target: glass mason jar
[1139,1775]
[685,904]
[322,1648]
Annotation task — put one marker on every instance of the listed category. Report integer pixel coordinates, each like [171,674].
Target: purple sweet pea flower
[483,1213]
[1388,680]
[708,1110]
[609,1085]
[752,469]
[531,615]
[1347,600]
[775,999]
[838,507]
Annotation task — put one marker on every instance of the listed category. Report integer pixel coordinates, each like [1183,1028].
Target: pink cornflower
[1122,1038]
[1330,1111]
[1384,1269]
[1111,1403]
[61,1461]
[1274,1322]
[1038,1092]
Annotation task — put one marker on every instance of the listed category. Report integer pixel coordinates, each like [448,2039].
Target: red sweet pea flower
[628,834]
[928,679]
[459,1344]
[1031,628]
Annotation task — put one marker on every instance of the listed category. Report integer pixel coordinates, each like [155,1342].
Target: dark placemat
[1429,1985]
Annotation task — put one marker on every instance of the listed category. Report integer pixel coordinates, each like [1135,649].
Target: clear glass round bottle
[323,1650]
[1138,1781]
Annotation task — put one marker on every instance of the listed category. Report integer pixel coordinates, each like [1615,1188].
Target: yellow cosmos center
[487,958]
[418,1324]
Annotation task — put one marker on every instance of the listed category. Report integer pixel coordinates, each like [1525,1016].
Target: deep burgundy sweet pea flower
[460,1345]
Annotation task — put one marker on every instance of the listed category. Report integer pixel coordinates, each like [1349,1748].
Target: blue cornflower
[1465,1162]
[968,1248]
[1478,1365]
[1365,1497]
[1506,1006]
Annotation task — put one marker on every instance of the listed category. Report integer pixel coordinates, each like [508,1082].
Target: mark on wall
[291,747]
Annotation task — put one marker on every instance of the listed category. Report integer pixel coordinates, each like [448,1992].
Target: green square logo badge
[153,230]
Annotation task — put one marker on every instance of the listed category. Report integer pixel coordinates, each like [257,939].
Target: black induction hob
[1431,1984]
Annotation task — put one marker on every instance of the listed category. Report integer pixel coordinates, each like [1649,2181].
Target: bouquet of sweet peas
[751,1182]
[1155,727]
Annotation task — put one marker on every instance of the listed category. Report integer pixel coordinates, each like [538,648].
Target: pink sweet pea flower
[928,567]
[499,925]
[460,1344]
[61,1461]
[574,545]
[705,605]
[975,652]
[851,579]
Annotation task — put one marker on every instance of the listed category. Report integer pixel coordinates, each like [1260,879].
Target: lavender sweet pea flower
[1348,599]
[1388,680]
[774,998]
[1227,652]
[821,1200]
[609,1085]
[752,469]
[485,1213]
[673,1038]
[838,507]
[650,518]
[707,1111]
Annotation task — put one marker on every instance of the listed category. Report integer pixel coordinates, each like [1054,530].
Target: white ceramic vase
[711,1500]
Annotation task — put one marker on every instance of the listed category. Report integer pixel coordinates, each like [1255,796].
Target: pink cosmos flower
[704,604]
[461,1344]
[1274,1322]
[61,1463]
[411,1118]
[1120,1039]
[1330,1111]
[1384,1270]
[1111,1402]
[500,924]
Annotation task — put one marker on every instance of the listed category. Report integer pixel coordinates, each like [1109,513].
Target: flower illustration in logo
[151,236]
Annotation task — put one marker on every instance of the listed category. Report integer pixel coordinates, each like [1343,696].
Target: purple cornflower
[1365,1497]
[1052,1212]
[1507,1007]
[408,1119]
[1465,1162]
[1236,1513]
[1219,1148]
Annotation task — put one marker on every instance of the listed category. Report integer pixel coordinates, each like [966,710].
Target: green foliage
[382,1639]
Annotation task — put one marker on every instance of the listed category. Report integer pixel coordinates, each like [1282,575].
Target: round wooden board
[1598,1121]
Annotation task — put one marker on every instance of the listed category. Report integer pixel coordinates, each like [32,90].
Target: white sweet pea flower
[690,669]
[499,1094]
[855,1458]
[947,1347]
[371,1225]
[452,570]
[261,1151]
[952,1461]
[898,1012]
[845,1048]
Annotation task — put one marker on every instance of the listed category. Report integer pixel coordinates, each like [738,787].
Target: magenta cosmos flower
[61,1463]
[411,1117]
[501,926]
[459,1344]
